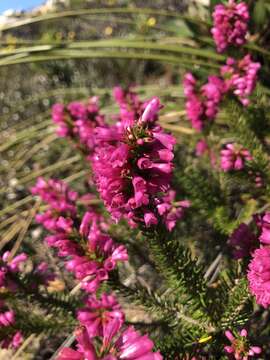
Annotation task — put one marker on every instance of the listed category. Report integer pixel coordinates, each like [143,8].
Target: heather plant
[190,202]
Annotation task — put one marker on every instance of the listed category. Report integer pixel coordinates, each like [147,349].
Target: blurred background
[66,50]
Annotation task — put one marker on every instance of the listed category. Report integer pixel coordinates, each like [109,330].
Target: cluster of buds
[240,77]
[202,102]
[234,157]
[78,121]
[230,24]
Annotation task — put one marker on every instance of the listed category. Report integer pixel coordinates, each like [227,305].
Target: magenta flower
[59,117]
[133,166]
[242,241]
[171,210]
[99,312]
[240,348]
[56,194]
[115,344]
[102,256]
[202,102]
[14,339]
[240,77]
[230,24]
[91,253]
[78,121]
[201,147]
[234,157]
[259,276]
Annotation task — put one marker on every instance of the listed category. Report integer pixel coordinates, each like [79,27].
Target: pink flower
[242,241]
[240,77]
[240,348]
[99,312]
[116,343]
[14,338]
[233,157]
[201,147]
[133,169]
[171,210]
[78,121]
[57,194]
[101,257]
[230,24]
[202,102]
[59,118]
[259,276]
[92,253]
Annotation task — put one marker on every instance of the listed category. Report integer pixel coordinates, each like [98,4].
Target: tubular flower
[259,276]
[101,257]
[242,241]
[171,210]
[99,312]
[133,165]
[230,24]
[240,348]
[116,343]
[92,253]
[240,77]
[202,102]
[78,121]
[234,157]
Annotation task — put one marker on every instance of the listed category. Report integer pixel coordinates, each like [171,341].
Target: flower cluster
[92,253]
[241,77]
[230,24]
[103,336]
[133,165]
[239,348]
[8,319]
[234,157]
[78,121]
[236,77]
[202,102]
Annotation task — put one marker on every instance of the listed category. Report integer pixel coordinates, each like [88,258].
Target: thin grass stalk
[68,55]
[110,11]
